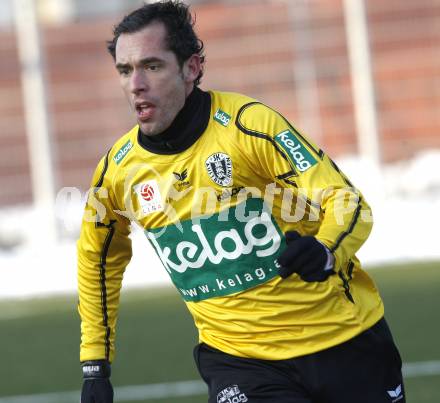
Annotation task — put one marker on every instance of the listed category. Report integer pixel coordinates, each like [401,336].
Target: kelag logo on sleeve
[298,155]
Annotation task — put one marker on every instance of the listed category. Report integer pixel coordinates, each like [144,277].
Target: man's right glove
[96,385]
[307,257]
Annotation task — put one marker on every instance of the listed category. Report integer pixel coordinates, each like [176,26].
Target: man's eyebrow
[147,60]
[121,65]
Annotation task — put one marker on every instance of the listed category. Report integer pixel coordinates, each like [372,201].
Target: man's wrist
[96,369]
[330,264]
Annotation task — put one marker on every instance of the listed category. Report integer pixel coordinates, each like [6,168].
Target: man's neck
[188,125]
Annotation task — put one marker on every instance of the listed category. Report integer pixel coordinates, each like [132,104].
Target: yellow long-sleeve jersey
[216,215]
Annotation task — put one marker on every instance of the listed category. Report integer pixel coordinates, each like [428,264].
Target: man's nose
[138,82]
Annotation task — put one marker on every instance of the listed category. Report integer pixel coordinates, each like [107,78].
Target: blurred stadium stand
[250,48]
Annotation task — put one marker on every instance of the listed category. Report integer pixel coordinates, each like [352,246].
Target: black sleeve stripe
[291,183]
[260,135]
[355,217]
[104,170]
[342,236]
[309,202]
[102,278]
[286,175]
[318,152]
[346,285]
[103,262]
[99,184]
[255,133]
[350,270]
[346,281]
[340,173]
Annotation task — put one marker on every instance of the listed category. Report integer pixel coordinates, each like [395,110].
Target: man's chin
[149,129]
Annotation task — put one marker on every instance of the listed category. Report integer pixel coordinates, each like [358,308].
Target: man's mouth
[144,111]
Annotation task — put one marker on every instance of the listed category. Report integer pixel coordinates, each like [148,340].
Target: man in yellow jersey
[256,226]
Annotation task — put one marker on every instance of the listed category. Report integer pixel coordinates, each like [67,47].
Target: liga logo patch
[149,197]
[298,155]
[222,117]
[122,152]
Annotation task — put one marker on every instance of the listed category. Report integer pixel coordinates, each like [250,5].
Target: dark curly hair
[179,23]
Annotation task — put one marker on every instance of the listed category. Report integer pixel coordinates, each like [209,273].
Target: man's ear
[191,68]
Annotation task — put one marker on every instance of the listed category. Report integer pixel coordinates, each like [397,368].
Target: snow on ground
[405,198]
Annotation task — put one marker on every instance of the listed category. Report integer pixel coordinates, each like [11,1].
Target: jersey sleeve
[293,162]
[103,251]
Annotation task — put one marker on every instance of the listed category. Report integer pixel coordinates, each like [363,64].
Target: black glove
[304,255]
[96,385]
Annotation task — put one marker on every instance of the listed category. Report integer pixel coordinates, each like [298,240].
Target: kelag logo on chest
[214,258]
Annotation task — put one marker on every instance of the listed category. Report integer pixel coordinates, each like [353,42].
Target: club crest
[219,167]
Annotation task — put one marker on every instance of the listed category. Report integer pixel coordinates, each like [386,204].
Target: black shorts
[365,369]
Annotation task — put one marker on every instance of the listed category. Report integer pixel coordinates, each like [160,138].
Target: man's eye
[124,72]
[152,67]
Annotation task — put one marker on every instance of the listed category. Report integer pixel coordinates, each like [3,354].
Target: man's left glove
[96,386]
[307,257]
